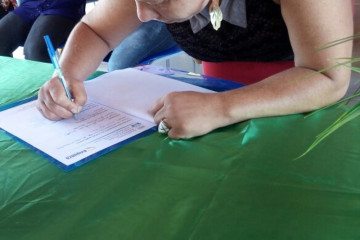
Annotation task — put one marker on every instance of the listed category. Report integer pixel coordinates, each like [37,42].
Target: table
[239,182]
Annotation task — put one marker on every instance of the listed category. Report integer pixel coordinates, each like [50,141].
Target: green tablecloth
[239,182]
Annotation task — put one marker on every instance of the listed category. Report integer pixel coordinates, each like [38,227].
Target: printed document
[117,109]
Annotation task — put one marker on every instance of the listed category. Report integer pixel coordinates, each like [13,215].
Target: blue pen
[54,56]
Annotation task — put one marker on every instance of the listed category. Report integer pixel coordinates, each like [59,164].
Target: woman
[306,24]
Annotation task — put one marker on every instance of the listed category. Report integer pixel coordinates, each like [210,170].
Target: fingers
[45,111]
[165,128]
[187,114]
[158,110]
[53,102]
[79,96]
[173,134]
[160,113]
[48,102]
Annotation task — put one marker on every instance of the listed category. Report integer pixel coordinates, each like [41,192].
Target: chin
[173,21]
[168,21]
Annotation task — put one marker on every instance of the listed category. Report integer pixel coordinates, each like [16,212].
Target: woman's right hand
[54,104]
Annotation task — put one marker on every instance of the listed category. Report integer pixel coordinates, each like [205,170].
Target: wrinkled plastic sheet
[239,182]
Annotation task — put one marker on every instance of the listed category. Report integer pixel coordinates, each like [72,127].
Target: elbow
[339,93]
[339,81]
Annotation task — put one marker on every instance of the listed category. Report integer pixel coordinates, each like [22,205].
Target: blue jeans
[149,39]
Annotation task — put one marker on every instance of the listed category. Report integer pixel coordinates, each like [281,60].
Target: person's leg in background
[150,38]
[2,12]
[13,32]
[58,28]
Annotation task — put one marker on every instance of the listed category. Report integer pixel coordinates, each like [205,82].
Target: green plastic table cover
[238,182]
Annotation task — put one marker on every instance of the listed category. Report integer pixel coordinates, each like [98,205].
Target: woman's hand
[53,102]
[191,114]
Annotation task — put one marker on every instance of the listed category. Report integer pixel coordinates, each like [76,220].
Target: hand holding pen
[54,56]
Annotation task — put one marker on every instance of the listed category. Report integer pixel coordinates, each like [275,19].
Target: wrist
[230,112]
[223,110]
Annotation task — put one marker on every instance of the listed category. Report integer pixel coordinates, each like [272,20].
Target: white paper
[97,127]
[133,91]
[117,109]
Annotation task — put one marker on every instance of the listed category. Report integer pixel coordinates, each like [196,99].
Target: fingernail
[76,109]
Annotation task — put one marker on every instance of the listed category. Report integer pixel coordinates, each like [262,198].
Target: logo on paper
[88,149]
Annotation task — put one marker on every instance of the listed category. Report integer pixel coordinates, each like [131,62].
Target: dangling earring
[215,14]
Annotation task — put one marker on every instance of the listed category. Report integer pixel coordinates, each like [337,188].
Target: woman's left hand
[190,114]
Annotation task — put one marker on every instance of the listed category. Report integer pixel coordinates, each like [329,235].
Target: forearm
[288,92]
[292,91]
